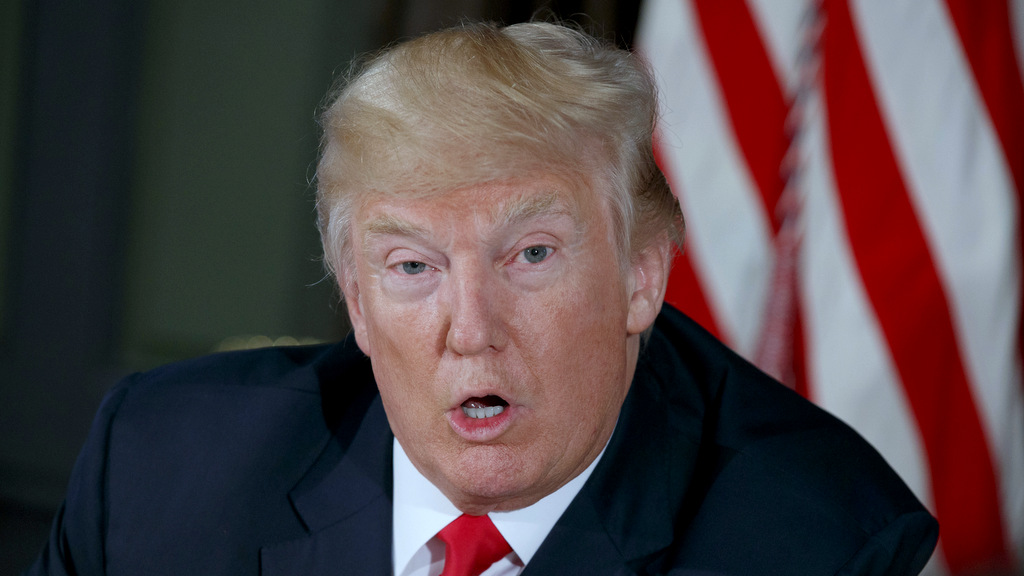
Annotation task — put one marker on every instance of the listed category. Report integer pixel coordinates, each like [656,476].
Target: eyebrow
[388,224]
[522,209]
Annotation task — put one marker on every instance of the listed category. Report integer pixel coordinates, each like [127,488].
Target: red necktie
[472,544]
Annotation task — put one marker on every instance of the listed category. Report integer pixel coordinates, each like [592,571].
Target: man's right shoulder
[192,464]
[300,369]
[296,367]
[230,393]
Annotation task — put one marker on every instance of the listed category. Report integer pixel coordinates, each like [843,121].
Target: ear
[649,270]
[350,291]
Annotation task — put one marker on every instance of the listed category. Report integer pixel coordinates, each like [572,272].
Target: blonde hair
[480,103]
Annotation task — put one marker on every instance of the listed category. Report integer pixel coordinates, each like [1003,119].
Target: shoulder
[294,368]
[226,408]
[749,419]
[777,477]
[201,455]
[241,387]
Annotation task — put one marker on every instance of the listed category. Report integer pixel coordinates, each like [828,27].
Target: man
[491,208]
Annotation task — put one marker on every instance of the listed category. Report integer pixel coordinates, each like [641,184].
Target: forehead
[494,204]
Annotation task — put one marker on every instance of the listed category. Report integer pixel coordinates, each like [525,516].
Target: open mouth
[486,407]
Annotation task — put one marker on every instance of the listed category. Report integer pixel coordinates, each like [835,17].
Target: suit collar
[363,467]
[344,501]
[625,516]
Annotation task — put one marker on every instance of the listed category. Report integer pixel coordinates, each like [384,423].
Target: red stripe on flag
[901,281]
[756,103]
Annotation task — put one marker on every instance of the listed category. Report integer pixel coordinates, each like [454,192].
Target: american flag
[852,174]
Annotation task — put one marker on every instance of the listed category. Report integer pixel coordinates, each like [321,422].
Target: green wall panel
[222,240]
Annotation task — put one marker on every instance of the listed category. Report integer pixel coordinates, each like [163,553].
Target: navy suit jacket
[278,461]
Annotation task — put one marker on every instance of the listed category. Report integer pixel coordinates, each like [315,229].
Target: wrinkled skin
[512,294]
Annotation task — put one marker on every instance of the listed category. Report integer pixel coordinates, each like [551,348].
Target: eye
[535,254]
[413,267]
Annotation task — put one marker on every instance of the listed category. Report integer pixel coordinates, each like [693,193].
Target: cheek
[410,402]
[575,336]
[591,306]
[404,343]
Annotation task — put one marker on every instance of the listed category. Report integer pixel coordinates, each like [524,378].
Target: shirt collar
[420,510]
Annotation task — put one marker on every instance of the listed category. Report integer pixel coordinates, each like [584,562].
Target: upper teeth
[483,412]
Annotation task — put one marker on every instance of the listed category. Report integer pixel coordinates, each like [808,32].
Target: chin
[479,500]
[482,486]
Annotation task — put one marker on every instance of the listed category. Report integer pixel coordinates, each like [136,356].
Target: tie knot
[472,544]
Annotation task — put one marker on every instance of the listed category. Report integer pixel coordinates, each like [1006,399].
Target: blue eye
[535,254]
[413,267]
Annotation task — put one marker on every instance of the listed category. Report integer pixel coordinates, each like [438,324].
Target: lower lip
[480,429]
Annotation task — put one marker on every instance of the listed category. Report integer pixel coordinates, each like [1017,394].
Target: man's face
[502,332]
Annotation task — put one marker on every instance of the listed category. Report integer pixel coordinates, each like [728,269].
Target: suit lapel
[624,518]
[345,503]
[579,544]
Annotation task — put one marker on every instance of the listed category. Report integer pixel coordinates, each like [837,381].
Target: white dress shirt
[420,510]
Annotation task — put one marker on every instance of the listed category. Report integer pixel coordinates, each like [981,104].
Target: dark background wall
[154,197]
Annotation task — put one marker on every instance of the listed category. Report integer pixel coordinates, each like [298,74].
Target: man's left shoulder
[789,487]
[807,500]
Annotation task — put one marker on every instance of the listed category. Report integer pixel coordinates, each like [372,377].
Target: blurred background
[852,173]
[155,160]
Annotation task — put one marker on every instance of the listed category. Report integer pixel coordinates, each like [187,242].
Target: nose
[475,324]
